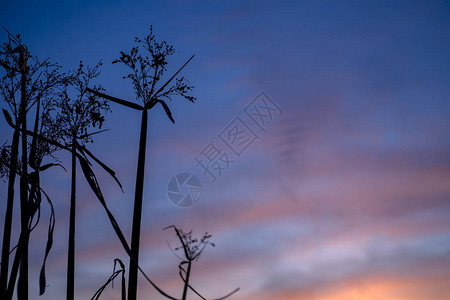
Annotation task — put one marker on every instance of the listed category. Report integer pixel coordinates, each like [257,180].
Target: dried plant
[116,272]
[27,81]
[78,112]
[66,111]
[147,63]
[192,249]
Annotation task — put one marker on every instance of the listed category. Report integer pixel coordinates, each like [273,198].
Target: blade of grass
[92,133]
[46,166]
[171,78]
[111,279]
[51,227]
[167,110]
[10,123]
[93,183]
[105,167]
[117,100]
[87,171]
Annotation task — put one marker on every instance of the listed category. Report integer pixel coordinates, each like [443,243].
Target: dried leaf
[117,100]
[167,110]
[51,226]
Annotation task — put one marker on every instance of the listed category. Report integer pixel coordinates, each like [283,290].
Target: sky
[343,191]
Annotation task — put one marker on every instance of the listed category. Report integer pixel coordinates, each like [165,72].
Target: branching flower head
[41,77]
[192,247]
[147,63]
[42,81]
[79,110]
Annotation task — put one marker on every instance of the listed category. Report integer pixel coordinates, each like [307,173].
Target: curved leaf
[93,183]
[104,166]
[46,166]
[111,278]
[167,110]
[117,100]
[51,227]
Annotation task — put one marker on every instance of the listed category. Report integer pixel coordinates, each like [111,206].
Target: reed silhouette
[34,81]
[192,249]
[67,107]
[119,271]
[63,120]
[146,71]
[77,113]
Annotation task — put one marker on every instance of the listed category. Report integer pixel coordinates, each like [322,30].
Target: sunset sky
[342,195]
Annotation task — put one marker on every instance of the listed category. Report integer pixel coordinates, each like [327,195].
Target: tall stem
[22,286]
[186,283]
[71,251]
[135,235]
[14,269]
[8,216]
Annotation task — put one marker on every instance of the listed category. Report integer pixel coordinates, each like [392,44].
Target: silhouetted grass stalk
[145,72]
[192,249]
[8,216]
[92,181]
[186,281]
[137,211]
[71,249]
[115,273]
[22,286]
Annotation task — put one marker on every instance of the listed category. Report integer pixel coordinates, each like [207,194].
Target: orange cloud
[374,288]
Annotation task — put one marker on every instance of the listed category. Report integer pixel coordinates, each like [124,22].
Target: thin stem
[71,251]
[168,81]
[186,282]
[8,215]
[135,235]
[22,286]
[14,269]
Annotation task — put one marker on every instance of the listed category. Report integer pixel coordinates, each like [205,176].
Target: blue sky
[343,196]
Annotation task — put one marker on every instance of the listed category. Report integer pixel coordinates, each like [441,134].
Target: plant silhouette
[67,108]
[146,71]
[77,113]
[35,82]
[192,249]
[119,271]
